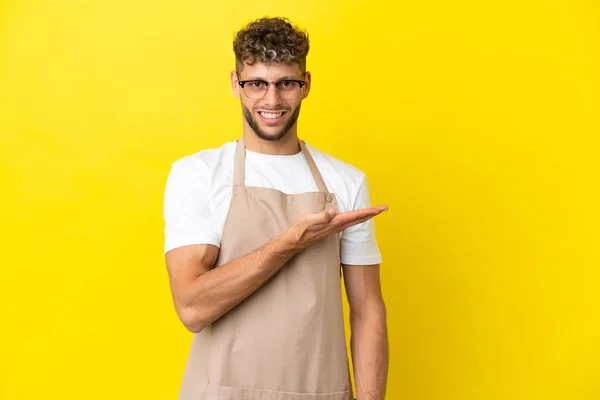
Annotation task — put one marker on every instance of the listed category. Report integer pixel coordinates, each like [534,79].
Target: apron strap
[313,169]
[239,166]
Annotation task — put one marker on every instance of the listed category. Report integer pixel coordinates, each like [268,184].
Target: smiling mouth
[270,115]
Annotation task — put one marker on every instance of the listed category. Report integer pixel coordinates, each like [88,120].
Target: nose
[272,96]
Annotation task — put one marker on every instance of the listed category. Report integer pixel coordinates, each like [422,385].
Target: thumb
[329,213]
[321,217]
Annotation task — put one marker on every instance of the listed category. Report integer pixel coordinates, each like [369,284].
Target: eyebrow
[285,78]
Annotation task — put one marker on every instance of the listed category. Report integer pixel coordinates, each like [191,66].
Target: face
[272,116]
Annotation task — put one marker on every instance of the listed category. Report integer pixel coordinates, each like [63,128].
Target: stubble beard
[264,135]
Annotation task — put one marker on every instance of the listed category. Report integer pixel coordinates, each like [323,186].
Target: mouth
[271,118]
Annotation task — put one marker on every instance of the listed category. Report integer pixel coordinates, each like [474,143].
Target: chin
[271,133]
[271,136]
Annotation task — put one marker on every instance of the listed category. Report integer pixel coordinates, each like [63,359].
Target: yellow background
[477,122]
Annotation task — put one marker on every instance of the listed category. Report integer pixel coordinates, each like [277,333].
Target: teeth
[271,115]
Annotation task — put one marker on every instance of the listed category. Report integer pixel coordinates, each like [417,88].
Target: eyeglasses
[257,89]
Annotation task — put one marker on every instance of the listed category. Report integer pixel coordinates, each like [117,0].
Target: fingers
[343,227]
[381,208]
[330,214]
[355,217]
[350,216]
[328,221]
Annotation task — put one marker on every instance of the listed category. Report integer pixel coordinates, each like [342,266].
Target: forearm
[218,290]
[369,344]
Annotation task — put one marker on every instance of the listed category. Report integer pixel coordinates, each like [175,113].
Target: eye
[256,84]
[288,84]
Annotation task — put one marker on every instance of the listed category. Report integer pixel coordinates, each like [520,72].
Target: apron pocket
[232,393]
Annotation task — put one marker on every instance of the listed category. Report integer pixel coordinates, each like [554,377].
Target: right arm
[202,294]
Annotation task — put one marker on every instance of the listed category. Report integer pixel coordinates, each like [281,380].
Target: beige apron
[286,340]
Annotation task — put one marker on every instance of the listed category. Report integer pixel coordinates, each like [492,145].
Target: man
[256,231]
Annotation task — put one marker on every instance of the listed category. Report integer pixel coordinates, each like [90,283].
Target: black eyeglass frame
[299,82]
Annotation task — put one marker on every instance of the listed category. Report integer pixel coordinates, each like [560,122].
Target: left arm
[369,341]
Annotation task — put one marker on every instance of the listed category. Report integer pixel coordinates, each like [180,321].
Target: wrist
[292,238]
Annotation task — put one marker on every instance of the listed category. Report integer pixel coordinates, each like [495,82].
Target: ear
[235,87]
[307,83]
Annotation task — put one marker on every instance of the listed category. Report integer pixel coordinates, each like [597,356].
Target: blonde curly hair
[271,41]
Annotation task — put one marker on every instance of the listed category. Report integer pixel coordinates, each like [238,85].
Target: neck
[288,145]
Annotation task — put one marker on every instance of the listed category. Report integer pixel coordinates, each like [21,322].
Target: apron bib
[285,341]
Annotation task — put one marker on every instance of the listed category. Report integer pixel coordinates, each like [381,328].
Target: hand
[311,227]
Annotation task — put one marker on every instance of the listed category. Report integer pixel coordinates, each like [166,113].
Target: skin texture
[287,143]
[264,135]
[369,340]
[202,294]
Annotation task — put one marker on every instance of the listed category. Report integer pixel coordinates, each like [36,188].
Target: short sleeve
[358,243]
[187,210]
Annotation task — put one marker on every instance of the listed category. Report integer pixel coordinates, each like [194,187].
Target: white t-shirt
[198,193]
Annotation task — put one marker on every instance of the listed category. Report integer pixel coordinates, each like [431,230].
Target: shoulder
[200,165]
[336,167]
